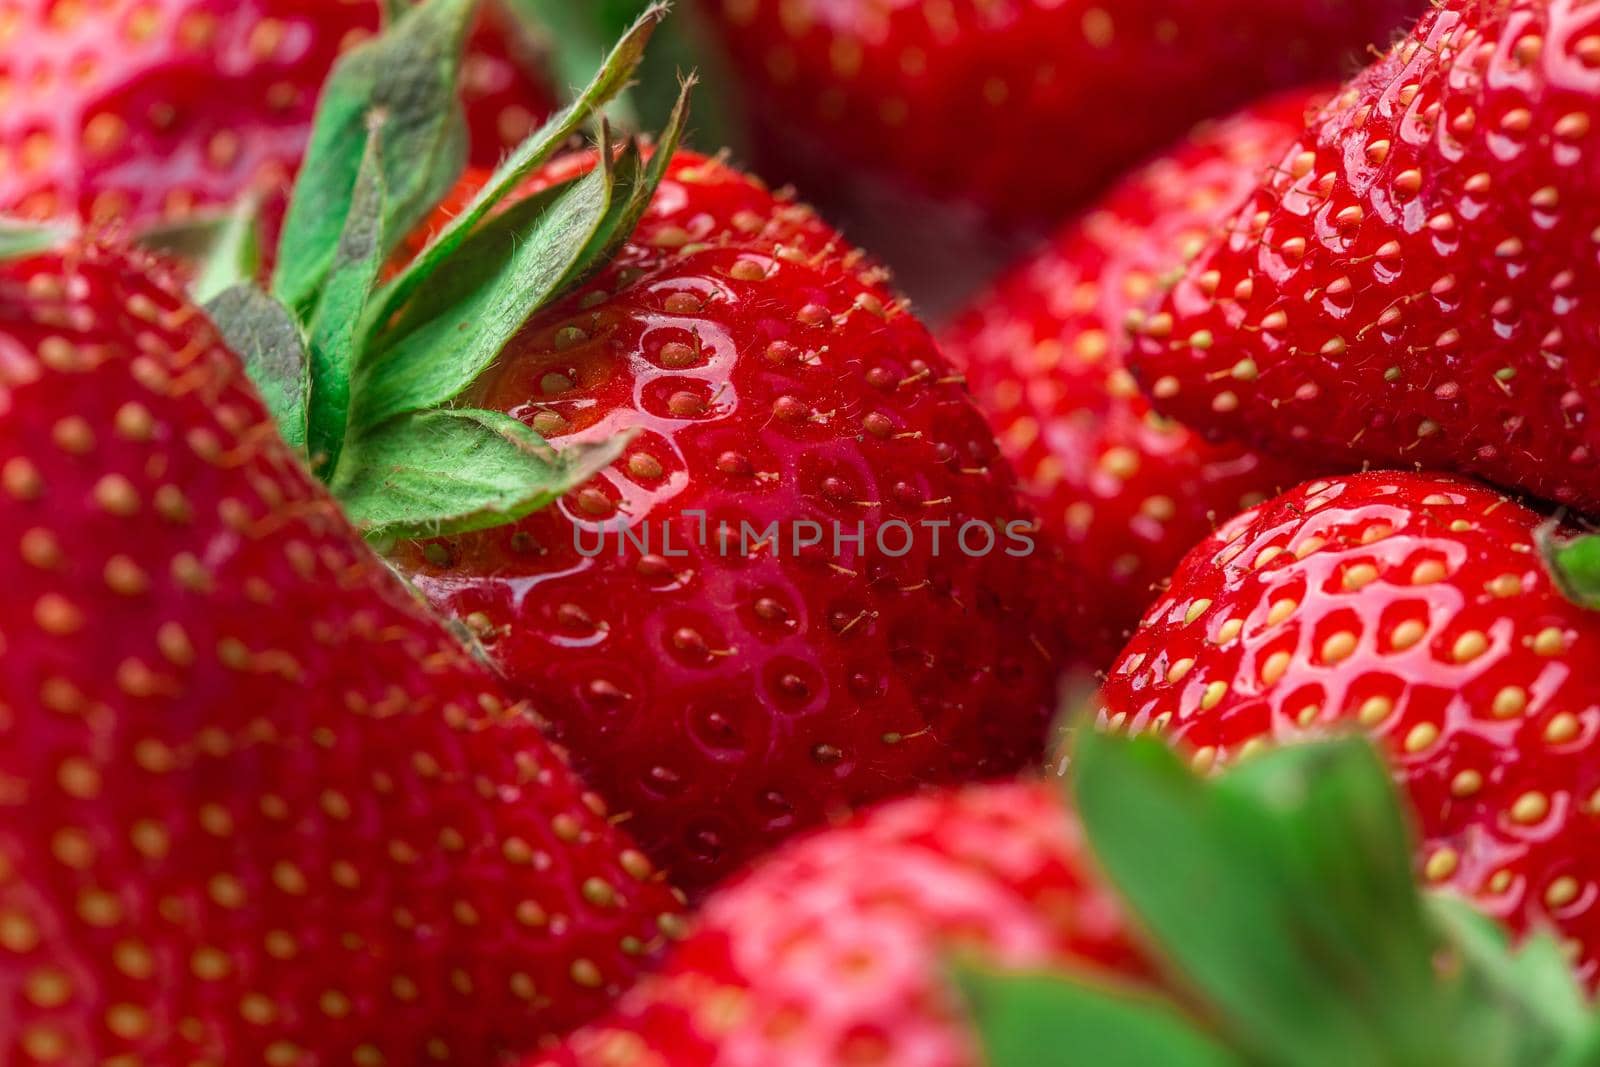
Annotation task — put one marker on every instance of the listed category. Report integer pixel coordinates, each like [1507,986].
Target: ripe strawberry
[720,694]
[254,806]
[1408,286]
[1068,93]
[143,111]
[1277,897]
[1126,492]
[831,950]
[1417,607]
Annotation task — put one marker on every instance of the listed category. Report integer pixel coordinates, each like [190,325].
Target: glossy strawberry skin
[136,112]
[830,951]
[255,806]
[1415,607]
[727,697]
[1125,492]
[1067,93]
[1409,287]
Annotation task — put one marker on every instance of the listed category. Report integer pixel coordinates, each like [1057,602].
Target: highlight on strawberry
[492,585]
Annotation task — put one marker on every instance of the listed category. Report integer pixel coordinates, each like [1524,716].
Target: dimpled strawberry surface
[1126,491]
[1414,285]
[717,694]
[830,953]
[1416,607]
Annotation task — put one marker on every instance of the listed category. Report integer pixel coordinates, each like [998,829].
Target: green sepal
[1539,1014]
[409,74]
[224,247]
[636,184]
[334,329]
[1282,893]
[455,470]
[1026,1019]
[19,239]
[267,339]
[1573,564]
[523,161]
[455,329]
[686,41]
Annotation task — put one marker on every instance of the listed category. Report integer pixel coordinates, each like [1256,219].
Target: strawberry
[1126,492]
[144,111]
[1406,288]
[730,695]
[829,951]
[255,807]
[1416,607]
[999,926]
[1068,93]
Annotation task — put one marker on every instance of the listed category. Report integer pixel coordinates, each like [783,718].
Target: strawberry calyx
[365,372]
[1280,899]
[1573,564]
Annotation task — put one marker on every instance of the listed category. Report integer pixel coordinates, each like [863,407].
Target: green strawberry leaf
[1539,1009]
[636,186]
[516,264]
[1282,892]
[454,470]
[224,247]
[410,75]
[19,239]
[1573,564]
[1028,1019]
[528,157]
[267,339]
[356,264]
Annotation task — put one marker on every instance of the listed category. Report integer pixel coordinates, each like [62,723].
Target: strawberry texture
[1066,93]
[831,952]
[133,111]
[1124,491]
[1415,607]
[1409,286]
[255,805]
[724,694]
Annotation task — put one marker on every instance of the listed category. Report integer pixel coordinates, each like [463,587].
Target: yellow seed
[1469,646]
[1561,892]
[1428,572]
[1228,631]
[1549,642]
[1197,609]
[1562,728]
[1338,647]
[1374,710]
[1406,634]
[1510,702]
[1530,808]
[1280,610]
[1213,695]
[1274,668]
[1466,783]
[1360,576]
[1179,669]
[1421,736]
[1441,865]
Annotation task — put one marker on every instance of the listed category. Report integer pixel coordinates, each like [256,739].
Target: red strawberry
[254,806]
[831,950]
[1418,607]
[720,694]
[140,111]
[1067,93]
[1408,287]
[1125,491]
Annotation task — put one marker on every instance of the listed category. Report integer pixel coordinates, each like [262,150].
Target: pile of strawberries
[489,585]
